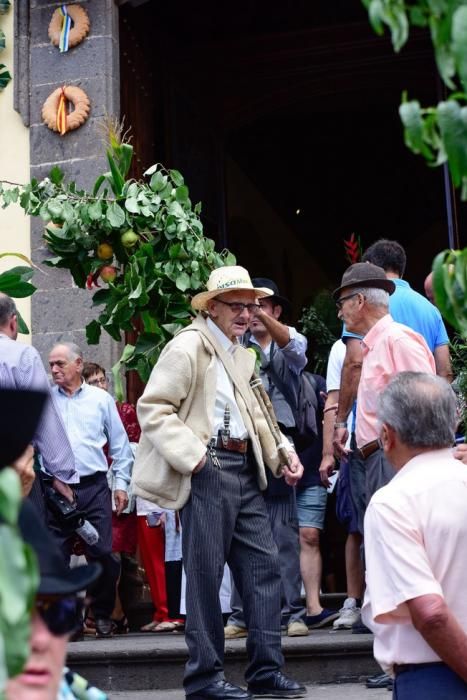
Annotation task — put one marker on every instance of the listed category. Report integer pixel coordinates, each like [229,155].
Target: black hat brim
[70,582]
[376,283]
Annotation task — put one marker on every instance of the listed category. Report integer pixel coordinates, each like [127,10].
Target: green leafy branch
[439,134]
[5,76]
[450,287]
[142,239]
[16,283]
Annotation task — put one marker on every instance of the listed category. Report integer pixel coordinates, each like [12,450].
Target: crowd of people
[218,480]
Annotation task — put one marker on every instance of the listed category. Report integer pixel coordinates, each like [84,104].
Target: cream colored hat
[227,279]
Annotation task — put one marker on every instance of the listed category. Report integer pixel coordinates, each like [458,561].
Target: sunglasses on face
[61,616]
[238,306]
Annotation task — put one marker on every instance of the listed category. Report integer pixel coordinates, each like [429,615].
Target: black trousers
[94,498]
[225,520]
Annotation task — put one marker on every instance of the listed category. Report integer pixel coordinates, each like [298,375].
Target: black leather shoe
[104,627]
[277,686]
[382,680]
[220,690]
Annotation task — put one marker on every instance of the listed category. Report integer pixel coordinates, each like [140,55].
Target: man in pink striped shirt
[388,348]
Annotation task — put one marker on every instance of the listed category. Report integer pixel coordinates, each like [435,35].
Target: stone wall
[60,311]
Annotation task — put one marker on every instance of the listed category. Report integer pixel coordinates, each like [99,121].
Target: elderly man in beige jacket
[203,449]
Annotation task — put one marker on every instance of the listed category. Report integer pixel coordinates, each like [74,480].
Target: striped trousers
[225,520]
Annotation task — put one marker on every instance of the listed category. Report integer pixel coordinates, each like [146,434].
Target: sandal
[149,627]
[165,626]
[121,626]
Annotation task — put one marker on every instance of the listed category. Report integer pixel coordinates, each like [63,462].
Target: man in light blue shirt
[91,421]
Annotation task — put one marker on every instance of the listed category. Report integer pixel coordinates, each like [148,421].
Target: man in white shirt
[203,447]
[416,544]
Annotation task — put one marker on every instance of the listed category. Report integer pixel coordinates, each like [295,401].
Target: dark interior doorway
[284,123]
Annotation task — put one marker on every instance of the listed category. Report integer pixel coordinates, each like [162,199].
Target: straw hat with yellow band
[232,278]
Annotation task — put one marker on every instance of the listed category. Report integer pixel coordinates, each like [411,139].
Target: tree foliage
[139,244]
[438,133]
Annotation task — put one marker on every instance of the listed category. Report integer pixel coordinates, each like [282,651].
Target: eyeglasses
[237,306]
[61,616]
[340,302]
[100,381]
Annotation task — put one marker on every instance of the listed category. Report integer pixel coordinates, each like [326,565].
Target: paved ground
[345,691]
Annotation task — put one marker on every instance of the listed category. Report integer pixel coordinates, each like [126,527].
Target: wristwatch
[340,424]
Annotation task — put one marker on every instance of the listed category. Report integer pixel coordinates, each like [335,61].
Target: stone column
[60,311]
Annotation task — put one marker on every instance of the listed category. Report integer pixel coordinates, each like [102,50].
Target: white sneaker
[349,614]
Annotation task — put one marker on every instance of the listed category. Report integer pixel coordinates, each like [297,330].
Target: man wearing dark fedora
[388,348]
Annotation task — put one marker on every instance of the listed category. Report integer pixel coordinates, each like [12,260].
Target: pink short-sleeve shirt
[388,348]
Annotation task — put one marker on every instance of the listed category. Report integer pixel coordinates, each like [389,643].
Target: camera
[68,517]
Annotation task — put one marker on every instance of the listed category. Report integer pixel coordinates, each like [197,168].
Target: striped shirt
[21,368]
[91,420]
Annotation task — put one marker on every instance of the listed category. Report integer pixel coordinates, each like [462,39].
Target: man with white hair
[416,544]
[91,420]
[388,348]
[203,449]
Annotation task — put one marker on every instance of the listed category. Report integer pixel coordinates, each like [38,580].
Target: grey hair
[374,296]
[7,309]
[74,351]
[421,408]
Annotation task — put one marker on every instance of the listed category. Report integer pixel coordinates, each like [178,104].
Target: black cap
[276,298]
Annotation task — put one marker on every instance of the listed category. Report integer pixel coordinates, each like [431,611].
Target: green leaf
[56,175]
[452,120]
[151,170]
[411,116]
[5,76]
[2,40]
[102,296]
[132,205]
[181,193]
[158,182]
[115,215]
[93,332]
[10,496]
[55,208]
[95,211]
[14,286]
[116,180]
[183,282]
[98,184]
[177,178]
[127,353]
[22,325]
[459,42]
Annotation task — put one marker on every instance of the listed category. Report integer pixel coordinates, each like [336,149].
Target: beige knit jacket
[175,409]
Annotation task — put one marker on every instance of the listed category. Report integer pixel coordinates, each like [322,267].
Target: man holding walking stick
[205,441]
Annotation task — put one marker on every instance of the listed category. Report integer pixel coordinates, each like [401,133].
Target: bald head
[428,286]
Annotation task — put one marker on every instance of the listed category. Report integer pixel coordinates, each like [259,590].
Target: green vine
[5,76]
[437,133]
[143,240]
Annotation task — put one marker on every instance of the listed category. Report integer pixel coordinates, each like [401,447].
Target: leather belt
[404,668]
[368,449]
[230,444]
